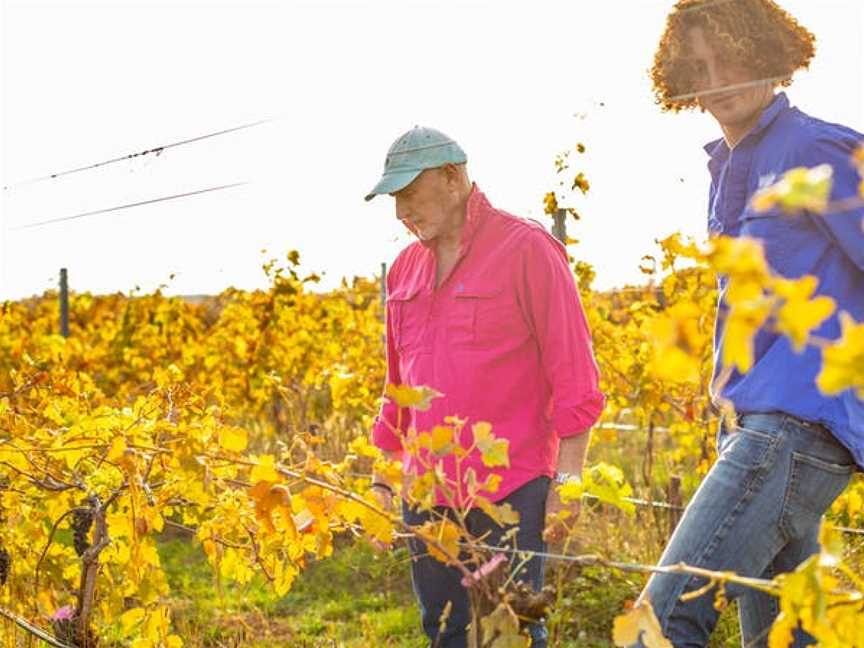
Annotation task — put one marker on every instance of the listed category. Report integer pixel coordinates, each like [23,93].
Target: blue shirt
[830,247]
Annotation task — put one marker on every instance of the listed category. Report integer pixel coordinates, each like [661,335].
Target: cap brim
[393,182]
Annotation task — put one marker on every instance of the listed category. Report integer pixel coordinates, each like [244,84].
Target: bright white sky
[514,83]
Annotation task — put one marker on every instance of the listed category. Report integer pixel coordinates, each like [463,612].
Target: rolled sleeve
[554,312]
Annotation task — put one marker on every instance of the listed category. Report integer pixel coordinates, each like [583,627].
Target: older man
[484,308]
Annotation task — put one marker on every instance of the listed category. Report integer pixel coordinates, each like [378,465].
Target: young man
[790,450]
[483,307]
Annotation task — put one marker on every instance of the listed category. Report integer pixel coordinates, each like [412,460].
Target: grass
[355,598]
[360,598]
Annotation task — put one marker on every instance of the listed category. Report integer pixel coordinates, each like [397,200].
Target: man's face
[426,206]
[714,71]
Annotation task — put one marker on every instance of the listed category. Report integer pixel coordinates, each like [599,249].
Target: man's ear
[452,175]
[450,171]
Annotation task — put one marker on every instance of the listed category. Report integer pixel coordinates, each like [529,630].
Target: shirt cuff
[573,419]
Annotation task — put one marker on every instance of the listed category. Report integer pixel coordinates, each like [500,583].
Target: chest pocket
[408,310]
[479,317]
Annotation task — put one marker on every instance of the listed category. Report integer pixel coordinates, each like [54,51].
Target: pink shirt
[504,338]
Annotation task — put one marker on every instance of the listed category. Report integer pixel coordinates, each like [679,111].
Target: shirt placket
[735,187]
[438,301]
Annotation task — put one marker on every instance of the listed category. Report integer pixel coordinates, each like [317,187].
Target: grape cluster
[66,630]
[5,562]
[82,520]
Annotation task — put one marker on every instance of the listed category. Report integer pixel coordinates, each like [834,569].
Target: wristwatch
[564,477]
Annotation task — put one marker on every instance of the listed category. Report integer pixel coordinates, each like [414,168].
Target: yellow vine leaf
[131,619]
[572,491]
[843,361]
[363,448]
[419,398]
[441,440]
[492,483]
[283,577]
[446,534]
[233,439]
[116,450]
[142,642]
[72,457]
[607,483]
[167,377]
[270,498]
[640,620]
[494,452]
[799,314]
[740,257]
[234,566]
[676,365]
[781,634]
[581,182]
[501,629]
[677,343]
[798,189]
[350,510]
[391,471]
[550,203]
[503,514]
[264,470]
[742,323]
[673,247]
[812,596]
[376,525]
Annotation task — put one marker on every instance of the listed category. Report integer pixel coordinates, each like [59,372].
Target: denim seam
[758,478]
[791,489]
[756,481]
[773,601]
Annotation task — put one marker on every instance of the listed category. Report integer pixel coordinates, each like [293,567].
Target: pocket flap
[404,293]
[773,214]
[467,291]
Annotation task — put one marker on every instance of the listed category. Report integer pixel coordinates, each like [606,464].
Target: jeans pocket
[812,487]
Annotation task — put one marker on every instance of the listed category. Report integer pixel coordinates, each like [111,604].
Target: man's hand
[384,493]
[560,517]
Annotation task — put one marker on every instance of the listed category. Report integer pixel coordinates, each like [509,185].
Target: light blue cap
[412,153]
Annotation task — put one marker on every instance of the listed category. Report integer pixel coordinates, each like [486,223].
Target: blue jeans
[436,583]
[756,513]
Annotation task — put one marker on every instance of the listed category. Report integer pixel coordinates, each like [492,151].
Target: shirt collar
[476,209]
[718,150]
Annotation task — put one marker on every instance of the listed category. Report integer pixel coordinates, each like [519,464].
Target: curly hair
[755,33]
